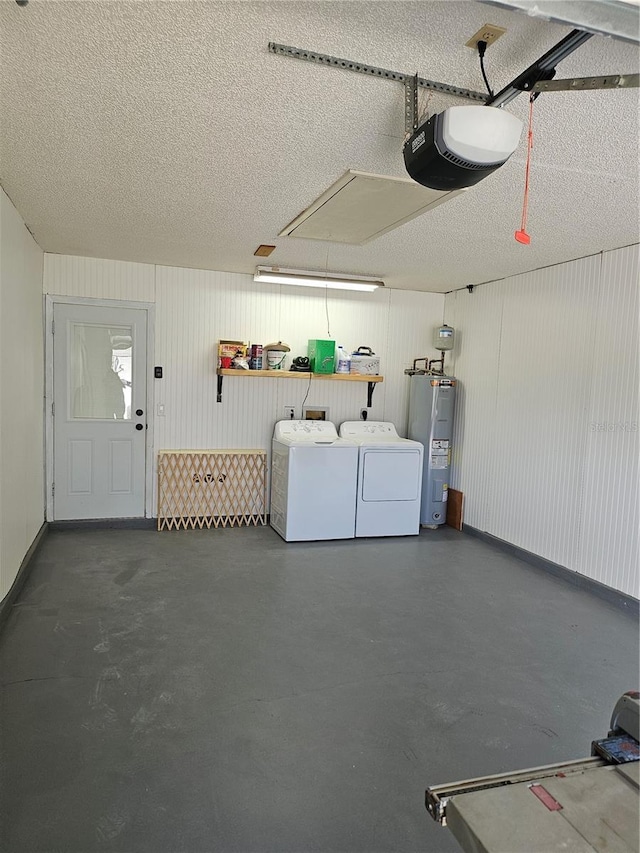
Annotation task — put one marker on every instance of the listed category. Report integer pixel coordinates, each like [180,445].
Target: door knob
[139,426]
[139,413]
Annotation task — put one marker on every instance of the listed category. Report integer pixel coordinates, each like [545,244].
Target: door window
[100,372]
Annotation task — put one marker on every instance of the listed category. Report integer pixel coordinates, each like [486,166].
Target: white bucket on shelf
[275,359]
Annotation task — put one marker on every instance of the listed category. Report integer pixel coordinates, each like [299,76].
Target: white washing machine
[313,482]
[389,479]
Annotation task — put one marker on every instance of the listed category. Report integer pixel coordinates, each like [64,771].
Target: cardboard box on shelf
[228,350]
[365,362]
[321,355]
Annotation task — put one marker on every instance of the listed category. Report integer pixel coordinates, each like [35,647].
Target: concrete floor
[223,691]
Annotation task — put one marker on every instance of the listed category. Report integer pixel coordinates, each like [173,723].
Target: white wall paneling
[609,549]
[545,359]
[21,392]
[412,318]
[546,343]
[196,308]
[476,317]
[97,278]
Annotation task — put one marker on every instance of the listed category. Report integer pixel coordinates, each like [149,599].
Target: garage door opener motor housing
[459,147]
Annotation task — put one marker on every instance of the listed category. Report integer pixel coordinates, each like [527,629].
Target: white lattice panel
[211,488]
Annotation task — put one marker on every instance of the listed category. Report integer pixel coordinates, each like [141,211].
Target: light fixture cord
[306,395]
[326,297]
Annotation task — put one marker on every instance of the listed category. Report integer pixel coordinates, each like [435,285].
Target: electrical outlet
[488,33]
[289,413]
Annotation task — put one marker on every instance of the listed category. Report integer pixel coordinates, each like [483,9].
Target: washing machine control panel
[313,430]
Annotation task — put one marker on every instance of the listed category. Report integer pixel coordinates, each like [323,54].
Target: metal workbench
[583,806]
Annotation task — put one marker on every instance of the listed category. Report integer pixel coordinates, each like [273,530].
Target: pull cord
[521,235]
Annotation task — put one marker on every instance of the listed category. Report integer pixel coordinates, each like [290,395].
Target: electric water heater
[431,410]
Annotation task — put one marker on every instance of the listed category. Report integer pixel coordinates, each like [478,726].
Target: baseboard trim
[23,573]
[620,600]
[105,524]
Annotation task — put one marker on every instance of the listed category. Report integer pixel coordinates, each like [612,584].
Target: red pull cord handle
[521,235]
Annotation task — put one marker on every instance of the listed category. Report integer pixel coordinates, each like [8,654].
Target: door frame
[50,301]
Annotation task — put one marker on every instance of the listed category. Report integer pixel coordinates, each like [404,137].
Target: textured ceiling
[167,133]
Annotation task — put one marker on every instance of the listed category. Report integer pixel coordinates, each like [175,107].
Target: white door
[390,475]
[321,492]
[99,415]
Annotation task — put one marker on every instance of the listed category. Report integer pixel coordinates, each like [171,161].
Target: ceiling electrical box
[488,33]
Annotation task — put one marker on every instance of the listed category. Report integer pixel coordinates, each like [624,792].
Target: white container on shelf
[275,359]
[343,360]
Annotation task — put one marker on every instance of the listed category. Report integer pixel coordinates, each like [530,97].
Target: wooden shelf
[294,374]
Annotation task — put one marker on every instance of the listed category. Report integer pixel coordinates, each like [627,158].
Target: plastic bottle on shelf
[343,360]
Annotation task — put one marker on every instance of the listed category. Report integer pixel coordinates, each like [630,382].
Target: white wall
[547,442]
[196,308]
[21,392]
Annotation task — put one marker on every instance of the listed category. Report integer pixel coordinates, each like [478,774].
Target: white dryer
[313,482]
[389,479]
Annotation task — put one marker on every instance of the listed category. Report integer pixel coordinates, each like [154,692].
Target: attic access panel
[360,207]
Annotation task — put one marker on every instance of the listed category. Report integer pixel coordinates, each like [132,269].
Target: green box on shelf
[321,355]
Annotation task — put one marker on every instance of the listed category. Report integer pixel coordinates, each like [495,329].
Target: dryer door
[390,475]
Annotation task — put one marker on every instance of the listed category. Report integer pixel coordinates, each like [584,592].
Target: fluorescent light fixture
[335,281]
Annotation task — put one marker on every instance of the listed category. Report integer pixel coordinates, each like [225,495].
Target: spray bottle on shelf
[343,360]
